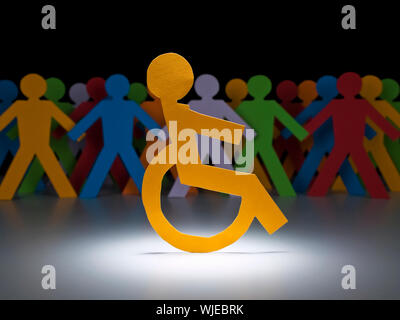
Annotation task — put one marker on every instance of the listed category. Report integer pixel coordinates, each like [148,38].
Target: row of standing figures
[308,140]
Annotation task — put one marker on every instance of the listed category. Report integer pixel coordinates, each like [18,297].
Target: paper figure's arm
[380,121]
[391,113]
[61,117]
[320,118]
[199,122]
[86,122]
[144,118]
[9,115]
[76,115]
[301,118]
[289,122]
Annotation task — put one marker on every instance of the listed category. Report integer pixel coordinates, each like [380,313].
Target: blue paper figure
[8,93]
[117,115]
[324,141]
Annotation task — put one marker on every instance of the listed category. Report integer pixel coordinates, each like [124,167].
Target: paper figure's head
[137,92]
[307,91]
[55,89]
[206,86]
[349,84]
[78,93]
[170,77]
[371,87]
[327,87]
[236,90]
[96,88]
[259,86]
[8,91]
[33,86]
[117,86]
[286,91]
[391,89]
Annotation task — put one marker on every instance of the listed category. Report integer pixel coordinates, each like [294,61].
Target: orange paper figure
[371,90]
[170,77]
[34,118]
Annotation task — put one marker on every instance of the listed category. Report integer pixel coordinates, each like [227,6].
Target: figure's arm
[8,116]
[199,122]
[86,122]
[392,114]
[289,122]
[144,118]
[320,118]
[75,115]
[385,125]
[301,118]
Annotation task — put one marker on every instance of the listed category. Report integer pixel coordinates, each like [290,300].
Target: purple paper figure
[206,87]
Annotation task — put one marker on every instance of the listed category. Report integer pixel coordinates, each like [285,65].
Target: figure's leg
[65,154]
[388,169]
[98,174]
[83,167]
[308,169]
[261,174]
[328,173]
[133,166]
[295,153]
[368,174]
[277,173]
[119,174]
[245,185]
[56,174]
[14,174]
[32,178]
[350,179]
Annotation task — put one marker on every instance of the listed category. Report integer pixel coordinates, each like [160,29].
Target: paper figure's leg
[56,174]
[350,179]
[134,167]
[261,174]
[277,173]
[65,154]
[368,174]
[388,169]
[245,185]
[328,172]
[98,174]
[83,167]
[119,173]
[295,153]
[308,169]
[14,174]
[32,178]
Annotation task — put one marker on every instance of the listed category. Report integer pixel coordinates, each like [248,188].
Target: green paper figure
[55,91]
[390,92]
[260,114]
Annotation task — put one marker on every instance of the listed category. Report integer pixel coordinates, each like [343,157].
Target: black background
[294,40]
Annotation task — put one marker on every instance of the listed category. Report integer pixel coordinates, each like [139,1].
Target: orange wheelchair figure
[34,118]
[170,77]
[371,90]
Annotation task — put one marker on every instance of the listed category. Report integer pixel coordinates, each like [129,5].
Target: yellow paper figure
[371,90]
[34,118]
[170,77]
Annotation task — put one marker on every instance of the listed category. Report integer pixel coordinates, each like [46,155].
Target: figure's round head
[307,91]
[349,84]
[137,92]
[327,87]
[236,90]
[117,86]
[286,90]
[170,77]
[78,93]
[371,87]
[259,86]
[55,89]
[8,91]
[33,86]
[391,89]
[96,88]
[206,86]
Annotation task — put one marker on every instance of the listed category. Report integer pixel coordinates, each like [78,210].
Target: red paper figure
[349,117]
